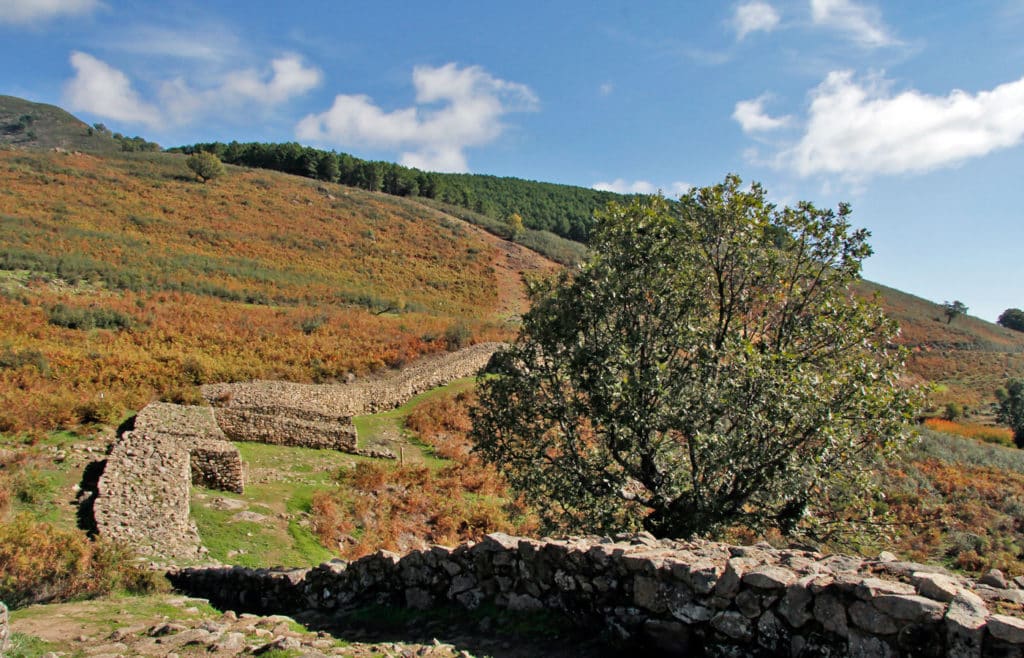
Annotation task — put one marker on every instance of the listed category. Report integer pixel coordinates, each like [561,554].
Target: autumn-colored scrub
[986,433]
[401,508]
[122,281]
[960,502]
[968,357]
[42,564]
[443,423]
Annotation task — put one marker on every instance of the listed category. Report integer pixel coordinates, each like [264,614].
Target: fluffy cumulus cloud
[107,92]
[455,108]
[22,12]
[287,78]
[861,23]
[622,186]
[752,118]
[104,91]
[754,16]
[861,128]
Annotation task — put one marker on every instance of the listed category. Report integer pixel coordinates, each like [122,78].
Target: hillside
[25,124]
[122,279]
[563,210]
[967,358]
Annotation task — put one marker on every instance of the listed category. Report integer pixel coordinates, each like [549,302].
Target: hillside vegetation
[26,124]
[564,210]
[123,279]
[967,359]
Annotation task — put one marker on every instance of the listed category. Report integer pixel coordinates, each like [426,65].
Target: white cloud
[207,43]
[754,16]
[289,77]
[606,89]
[103,90]
[858,129]
[622,186]
[470,104]
[863,24]
[21,12]
[752,118]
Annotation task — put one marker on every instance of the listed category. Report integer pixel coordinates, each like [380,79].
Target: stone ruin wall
[320,415]
[143,496]
[681,598]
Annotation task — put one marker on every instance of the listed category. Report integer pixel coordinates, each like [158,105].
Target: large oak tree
[707,366]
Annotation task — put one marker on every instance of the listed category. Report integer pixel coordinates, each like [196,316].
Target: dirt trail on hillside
[511,263]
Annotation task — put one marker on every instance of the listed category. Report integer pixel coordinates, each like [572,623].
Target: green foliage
[11,359]
[953,310]
[1011,408]
[457,336]
[27,646]
[697,372]
[953,411]
[88,318]
[205,165]
[1012,318]
[135,144]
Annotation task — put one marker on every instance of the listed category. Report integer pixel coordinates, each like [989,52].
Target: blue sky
[911,111]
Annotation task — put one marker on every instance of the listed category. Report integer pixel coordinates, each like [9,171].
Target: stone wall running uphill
[143,495]
[320,415]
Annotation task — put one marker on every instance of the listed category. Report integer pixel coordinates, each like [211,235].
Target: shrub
[205,165]
[311,324]
[13,360]
[88,318]
[43,564]
[457,336]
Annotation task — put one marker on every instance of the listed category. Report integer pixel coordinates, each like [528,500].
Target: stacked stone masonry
[320,415]
[143,494]
[684,598]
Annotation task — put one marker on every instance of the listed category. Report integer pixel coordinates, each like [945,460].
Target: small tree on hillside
[205,165]
[515,223]
[1011,408]
[953,310]
[706,366]
[1012,318]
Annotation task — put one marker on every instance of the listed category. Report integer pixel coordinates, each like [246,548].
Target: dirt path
[166,625]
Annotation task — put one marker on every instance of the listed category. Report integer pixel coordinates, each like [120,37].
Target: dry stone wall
[5,629]
[320,415]
[685,598]
[143,495]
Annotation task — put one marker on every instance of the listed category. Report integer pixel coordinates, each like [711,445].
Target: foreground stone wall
[320,415]
[143,497]
[699,598]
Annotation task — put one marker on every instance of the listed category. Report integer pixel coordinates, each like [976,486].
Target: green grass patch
[373,429]
[27,646]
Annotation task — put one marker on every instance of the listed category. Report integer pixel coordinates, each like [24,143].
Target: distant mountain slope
[565,210]
[139,224]
[123,279]
[40,126]
[968,357]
